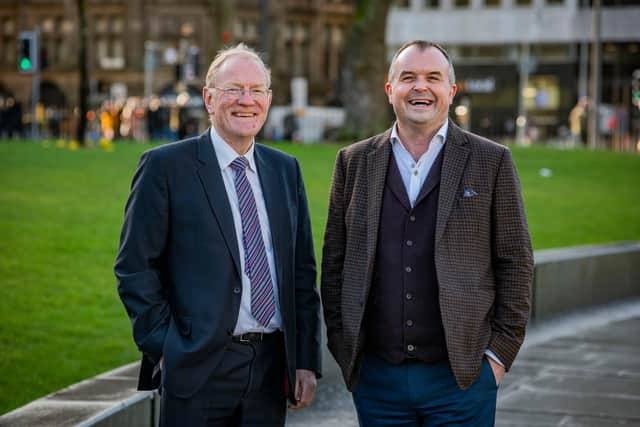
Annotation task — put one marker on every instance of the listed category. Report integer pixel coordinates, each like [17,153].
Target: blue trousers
[418,394]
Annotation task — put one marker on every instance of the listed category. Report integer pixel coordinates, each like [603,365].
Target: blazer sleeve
[333,260]
[512,264]
[139,263]
[307,300]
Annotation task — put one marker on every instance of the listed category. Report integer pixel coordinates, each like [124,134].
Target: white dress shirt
[414,173]
[226,154]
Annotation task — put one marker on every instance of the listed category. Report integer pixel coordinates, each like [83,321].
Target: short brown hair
[423,45]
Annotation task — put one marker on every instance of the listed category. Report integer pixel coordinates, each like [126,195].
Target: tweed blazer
[483,255]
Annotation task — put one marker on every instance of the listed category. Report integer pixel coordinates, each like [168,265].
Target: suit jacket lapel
[214,188]
[455,153]
[377,167]
[272,183]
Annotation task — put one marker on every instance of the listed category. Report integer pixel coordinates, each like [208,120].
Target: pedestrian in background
[427,261]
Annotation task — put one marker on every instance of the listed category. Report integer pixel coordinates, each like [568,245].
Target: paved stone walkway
[581,370]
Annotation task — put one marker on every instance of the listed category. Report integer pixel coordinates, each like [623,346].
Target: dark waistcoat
[403,313]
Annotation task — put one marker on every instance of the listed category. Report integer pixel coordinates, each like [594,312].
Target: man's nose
[245,97]
[421,84]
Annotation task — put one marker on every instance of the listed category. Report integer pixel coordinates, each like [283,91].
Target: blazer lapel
[455,153]
[377,167]
[272,183]
[211,178]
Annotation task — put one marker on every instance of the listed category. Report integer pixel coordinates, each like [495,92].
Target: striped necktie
[263,304]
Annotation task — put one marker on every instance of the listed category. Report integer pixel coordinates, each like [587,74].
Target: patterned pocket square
[469,193]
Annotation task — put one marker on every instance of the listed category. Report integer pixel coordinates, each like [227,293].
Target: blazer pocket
[184,325]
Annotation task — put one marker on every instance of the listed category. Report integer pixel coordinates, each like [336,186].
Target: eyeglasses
[236,92]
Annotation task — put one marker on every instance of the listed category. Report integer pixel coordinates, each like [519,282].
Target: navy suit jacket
[178,266]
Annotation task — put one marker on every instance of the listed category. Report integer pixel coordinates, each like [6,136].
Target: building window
[492,3]
[522,2]
[431,4]
[117,26]
[552,51]
[7,42]
[334,41]
[461,3]
[102,25]
[542,93]
[237,29]
[555,2]
[109,42]
[8,27]
[607,3]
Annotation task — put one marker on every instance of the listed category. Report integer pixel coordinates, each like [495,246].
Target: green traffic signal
[25,64]
[27,52]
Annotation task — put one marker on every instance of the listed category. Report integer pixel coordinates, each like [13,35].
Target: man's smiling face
[238,119]
[419,88]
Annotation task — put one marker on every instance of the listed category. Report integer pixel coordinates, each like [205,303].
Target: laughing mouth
[244,115]
[421,102]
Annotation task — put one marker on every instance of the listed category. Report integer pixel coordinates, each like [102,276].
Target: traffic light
[28,52]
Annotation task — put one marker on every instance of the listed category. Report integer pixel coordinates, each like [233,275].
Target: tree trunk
[223,18]
[364,72]
[83,71]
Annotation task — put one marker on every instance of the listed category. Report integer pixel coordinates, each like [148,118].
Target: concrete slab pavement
[576,370]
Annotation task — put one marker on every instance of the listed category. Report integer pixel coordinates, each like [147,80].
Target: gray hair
[422,45]
[239,50]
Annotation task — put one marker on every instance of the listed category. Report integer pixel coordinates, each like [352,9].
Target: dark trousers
[246,390]
[417,394]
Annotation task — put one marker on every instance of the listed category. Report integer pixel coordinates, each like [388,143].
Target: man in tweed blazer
[427,259]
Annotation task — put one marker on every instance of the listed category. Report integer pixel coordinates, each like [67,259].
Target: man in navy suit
[216,266]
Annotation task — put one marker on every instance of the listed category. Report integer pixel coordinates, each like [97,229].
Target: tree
[223,18]
[364,71]
[83,72]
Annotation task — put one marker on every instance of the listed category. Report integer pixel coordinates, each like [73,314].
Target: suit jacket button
[237,290]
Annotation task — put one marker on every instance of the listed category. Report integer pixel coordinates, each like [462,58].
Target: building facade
[162,47]
[531,58]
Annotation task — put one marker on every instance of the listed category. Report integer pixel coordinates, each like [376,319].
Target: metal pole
[35,84]
[149,66]
[521,120]
[583,71]
[594,84]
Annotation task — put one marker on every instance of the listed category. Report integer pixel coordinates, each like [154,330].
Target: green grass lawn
[60,214]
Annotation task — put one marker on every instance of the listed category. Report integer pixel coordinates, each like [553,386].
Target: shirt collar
[226,154]
[440,136]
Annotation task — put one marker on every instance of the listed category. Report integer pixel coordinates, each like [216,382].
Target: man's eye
[257,92]
[234,91]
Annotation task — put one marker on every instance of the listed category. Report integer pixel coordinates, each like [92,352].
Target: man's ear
[388,90]
[454,90]
[206,98]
